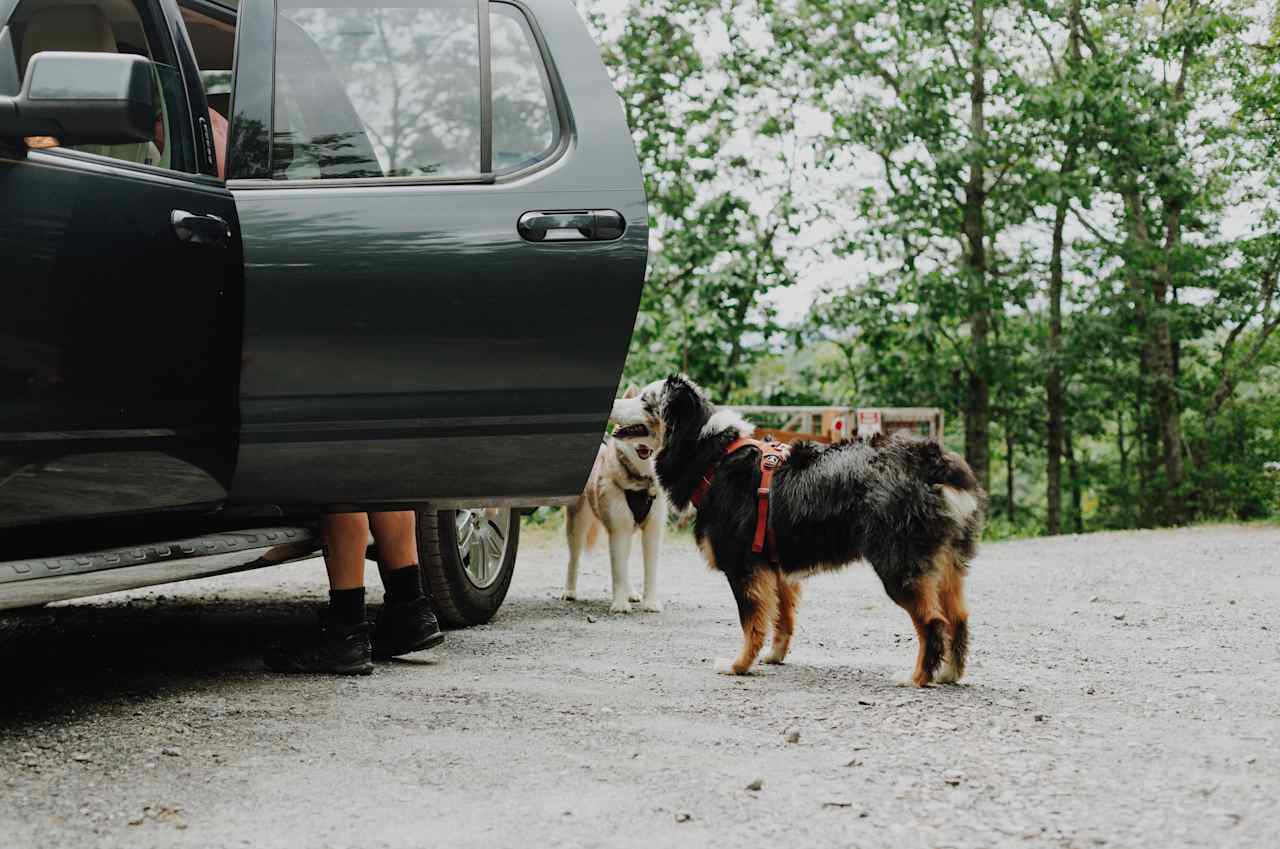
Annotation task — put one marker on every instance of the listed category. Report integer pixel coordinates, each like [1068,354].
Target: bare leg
[619,554]
[578,519]
[396,538]
[346,537]
[784,622]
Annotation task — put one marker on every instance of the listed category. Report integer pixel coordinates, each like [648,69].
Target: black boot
[406,622]
[339,649]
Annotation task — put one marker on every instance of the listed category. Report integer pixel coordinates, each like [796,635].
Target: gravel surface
[1123,691]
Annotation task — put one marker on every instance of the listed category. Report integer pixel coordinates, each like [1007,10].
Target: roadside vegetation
[1057,220]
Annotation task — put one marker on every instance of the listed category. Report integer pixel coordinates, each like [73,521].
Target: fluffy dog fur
[624,465]
[911,508]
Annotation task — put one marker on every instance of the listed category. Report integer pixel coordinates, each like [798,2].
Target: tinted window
[524,123]
[375,91]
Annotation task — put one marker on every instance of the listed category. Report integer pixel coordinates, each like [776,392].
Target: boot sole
[428,642]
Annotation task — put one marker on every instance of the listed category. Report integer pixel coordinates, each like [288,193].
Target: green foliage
[1146,136]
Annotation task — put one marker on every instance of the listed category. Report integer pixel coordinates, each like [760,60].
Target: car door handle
[200,228]
[571,225]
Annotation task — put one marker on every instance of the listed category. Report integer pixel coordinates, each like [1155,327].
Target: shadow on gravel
[83,659]
[86,659]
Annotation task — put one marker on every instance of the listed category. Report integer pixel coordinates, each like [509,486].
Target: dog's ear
[633,391]
[682,405]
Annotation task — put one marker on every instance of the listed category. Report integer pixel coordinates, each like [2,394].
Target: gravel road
[1123,691]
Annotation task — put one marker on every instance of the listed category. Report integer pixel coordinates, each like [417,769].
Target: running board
[28,583]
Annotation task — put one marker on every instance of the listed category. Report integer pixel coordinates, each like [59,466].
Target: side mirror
[83,98]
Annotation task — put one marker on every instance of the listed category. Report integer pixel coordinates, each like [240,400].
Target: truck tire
[468,582]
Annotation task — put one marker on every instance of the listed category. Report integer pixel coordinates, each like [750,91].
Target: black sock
[404,584]
[348,605]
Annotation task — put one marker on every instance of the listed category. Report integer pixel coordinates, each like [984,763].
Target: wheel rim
[483,536]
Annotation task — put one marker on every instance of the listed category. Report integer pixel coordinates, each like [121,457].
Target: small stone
[1089,691]
[953,779]
[136,821]
[756,784]
[1040,717]
[683,817]
[866,703]
[1252,759]
[82,757]
[171,751]
[591,618]
[1119,617]
[1094,599]
[854,762]
[792,737]
[837,803]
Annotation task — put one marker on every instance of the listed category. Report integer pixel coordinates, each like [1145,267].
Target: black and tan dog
[908,506]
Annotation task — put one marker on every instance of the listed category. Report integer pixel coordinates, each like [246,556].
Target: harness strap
[772,456]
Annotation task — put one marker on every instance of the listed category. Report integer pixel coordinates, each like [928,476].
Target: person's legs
[406,623]
[343,646]
[395,536]
[346,536]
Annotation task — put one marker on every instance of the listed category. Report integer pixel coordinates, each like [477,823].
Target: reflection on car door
[403,339]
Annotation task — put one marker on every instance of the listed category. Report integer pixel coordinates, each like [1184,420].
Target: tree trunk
[1008,465]
[1169,418]
[1053,381]
[1149,289]
[1073,476]
[1055,400]
[977,414]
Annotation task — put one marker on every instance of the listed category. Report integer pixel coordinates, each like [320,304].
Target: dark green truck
[266,260]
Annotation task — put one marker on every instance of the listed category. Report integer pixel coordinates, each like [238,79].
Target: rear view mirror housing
[83,98]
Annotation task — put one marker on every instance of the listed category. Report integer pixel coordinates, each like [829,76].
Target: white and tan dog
[623,497]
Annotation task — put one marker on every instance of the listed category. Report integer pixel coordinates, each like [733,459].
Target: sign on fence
[869,423]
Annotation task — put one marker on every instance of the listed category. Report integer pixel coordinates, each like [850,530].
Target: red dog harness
[772,456]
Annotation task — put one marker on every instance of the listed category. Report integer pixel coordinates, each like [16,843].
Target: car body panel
[119,345]
[403,342]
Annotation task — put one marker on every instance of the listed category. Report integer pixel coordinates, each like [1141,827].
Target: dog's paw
[568,595]
[651,606]
[724,666]
[633,597]
[620,607]
[947,675]
[774,657]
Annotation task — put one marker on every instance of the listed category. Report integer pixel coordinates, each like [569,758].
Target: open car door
[445,235]
[120,275]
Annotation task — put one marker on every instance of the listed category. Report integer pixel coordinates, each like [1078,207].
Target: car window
[113,26]
[524,117]
[374,91]
[370,91]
